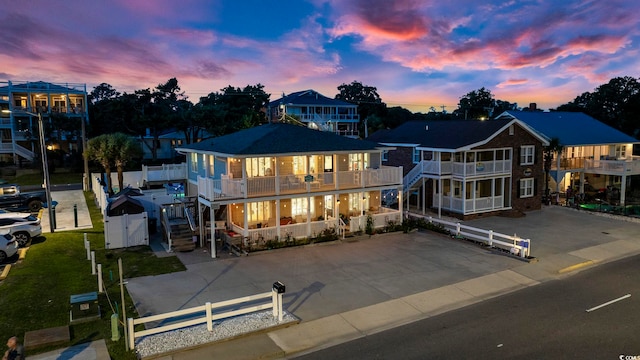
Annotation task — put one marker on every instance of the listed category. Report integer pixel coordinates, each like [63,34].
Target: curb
[5,272]
[576,266]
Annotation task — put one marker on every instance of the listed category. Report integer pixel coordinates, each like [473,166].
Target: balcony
[613,167]
[229,188]
[466,169]
[481,204]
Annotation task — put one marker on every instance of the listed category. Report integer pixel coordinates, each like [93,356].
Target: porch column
[335,171]
[308,212]
[245,215]
[424,197]
[581,182]
[278,218]
[212,220]
[245,180]
[440,191]
[400,202]
[276,172]
[202,227]
[464,196]
[623,189]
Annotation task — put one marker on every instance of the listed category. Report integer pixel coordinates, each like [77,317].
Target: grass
[36,293]
[55,178]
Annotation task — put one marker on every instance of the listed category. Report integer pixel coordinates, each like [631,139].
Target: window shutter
[535,186]
[519,191]
[517,160]
[535,155]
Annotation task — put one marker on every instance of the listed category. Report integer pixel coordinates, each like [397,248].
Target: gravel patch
[197,335]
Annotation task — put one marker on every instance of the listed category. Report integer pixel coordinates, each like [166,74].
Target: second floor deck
[264,186]
[605,166]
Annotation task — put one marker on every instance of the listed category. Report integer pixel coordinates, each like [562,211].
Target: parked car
[11,198]
[23,228]
[8,246]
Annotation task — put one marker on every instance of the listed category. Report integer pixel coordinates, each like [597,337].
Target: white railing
[481,167]
[628,167]
[471,205]
[414,174]
[515,244]
[386,175]
[294,231]
[380,220]
[164,172]
[167,228]
[207,314]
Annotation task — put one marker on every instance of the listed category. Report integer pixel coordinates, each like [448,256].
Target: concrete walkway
[65,219]
[343,291]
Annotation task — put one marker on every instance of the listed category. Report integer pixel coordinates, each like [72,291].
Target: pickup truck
[12,199]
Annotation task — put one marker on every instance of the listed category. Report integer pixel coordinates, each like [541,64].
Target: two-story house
[22,101]
[279,181]
[594,155]
[467,167]
[317,112]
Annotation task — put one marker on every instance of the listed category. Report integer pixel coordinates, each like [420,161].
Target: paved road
[548,321]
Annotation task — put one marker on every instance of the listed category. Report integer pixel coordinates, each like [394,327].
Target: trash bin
[153,225]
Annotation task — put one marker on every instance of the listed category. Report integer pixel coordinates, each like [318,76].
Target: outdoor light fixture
[45,166]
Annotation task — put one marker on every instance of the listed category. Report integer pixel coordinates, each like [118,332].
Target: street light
[45,166]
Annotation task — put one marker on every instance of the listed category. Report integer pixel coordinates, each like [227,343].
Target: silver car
[23,227]
[8,246]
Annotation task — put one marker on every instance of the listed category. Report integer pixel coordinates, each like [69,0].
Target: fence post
[490,238]
[457,229]
[100,278]
[430,220]
[274,301]
[207,306]
[93,263]
[132,337]
[87,246]
[280,312]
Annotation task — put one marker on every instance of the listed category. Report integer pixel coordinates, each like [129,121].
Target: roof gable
[444,134]
[308,97]
[279,138]
[571,128]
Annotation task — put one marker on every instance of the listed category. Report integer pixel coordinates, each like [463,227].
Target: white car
[23,227]
[8,246]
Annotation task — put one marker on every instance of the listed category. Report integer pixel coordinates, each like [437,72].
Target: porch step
[182,238]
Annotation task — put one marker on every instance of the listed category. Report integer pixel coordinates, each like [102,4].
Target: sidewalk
[65,219]
[349,290]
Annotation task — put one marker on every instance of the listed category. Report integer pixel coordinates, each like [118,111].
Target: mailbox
[278,287]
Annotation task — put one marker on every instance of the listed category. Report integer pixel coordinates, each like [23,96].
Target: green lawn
[36,293]
[55,178]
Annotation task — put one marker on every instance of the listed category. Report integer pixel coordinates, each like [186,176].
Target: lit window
[621,151]
[526,187]
[527,154]
[194,162]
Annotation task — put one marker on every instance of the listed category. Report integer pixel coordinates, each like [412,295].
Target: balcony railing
[228,188]
[471,205]
[466,169]
[614,167]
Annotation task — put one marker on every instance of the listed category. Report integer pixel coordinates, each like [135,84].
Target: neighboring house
[317,112]
[19,129]
[167,143]
[595,156]
[281,181]
[467,167]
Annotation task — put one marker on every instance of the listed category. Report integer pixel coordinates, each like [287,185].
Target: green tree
[553,149]
[476,104]
[124,149]
[366,97]
[99,149]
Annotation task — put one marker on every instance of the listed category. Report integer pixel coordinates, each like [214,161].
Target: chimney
[533,106]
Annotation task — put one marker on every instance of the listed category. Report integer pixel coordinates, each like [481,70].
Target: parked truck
[12,199]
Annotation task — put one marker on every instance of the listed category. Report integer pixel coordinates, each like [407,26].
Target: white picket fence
[514,244]
[209,312]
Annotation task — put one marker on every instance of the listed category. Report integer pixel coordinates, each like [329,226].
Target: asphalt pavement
[346,290]
[350,289]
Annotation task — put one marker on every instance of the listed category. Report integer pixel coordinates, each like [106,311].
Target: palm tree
[99,149]
[550,150]
[125,148]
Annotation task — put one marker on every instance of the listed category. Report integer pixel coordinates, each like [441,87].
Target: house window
[621,151]
[511,130]
[299,207]
[261,166]
[385,155]
[194,162]
[527,154]
[416,155]
[259,211]
[211,167]
[526,187]
[328,163]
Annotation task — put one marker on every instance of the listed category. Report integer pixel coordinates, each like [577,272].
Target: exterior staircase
[182,238]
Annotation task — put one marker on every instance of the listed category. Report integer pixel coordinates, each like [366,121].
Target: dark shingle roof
[279,138]
[571,128]
[308,97]
[440,134]
[41,85]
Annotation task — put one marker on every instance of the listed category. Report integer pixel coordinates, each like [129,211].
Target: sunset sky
[417,53]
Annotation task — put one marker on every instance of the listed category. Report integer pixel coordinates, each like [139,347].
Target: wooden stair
[182,238]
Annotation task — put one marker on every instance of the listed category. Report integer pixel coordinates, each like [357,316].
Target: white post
[100,278]
[457,229]
[87,246]
[274,300]
[207,306]
[490,238]
[132,340]
[93,263]
[280,312]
